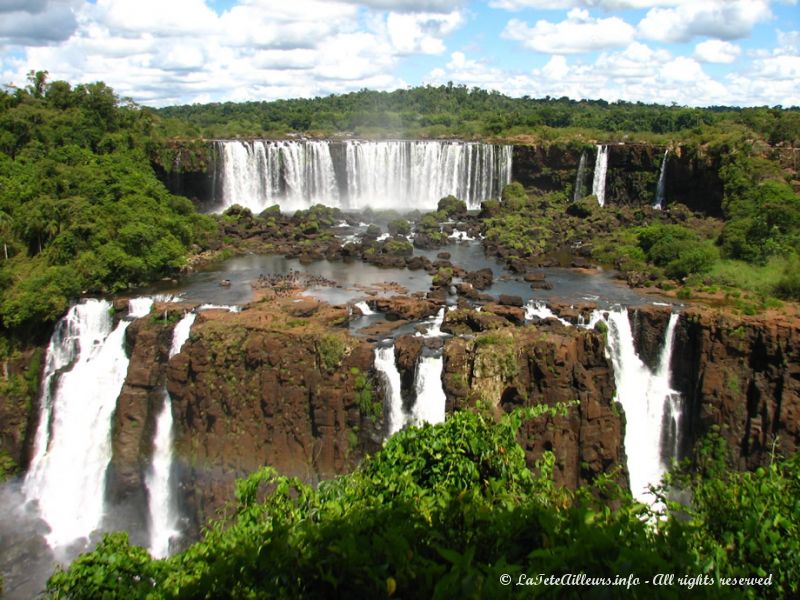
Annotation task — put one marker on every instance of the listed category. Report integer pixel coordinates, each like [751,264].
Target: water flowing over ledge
[398,175]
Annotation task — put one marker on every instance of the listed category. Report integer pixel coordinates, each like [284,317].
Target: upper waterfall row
[399,175]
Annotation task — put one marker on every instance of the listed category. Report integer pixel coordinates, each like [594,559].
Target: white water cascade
[434,326]
[430,402]
[73,440]
[600,169]
[357,174]
[364,308]
[161,500]
[644,395]
[539,310]
[385,364]
[662,183]
[578,194]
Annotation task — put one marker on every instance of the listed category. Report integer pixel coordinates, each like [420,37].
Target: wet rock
[512,314]
[507,300]
[460,321]
[480,279]
[405,307]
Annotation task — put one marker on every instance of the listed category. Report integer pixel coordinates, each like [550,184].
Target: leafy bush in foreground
[443,511]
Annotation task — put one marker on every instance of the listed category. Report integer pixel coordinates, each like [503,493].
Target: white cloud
[608,5]
[410,5]
[178,51]
[37,22]
[638,73]
[723,19]
[717,51]
[579,33]
[789,41]
[422,32]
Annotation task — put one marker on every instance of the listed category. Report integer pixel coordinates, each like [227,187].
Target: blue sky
[160,52]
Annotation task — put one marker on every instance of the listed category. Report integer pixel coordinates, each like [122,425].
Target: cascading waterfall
[579,178]
[381,175]
[364,308]
[652,407]
[644,395]
[430,402]
[662,182]
[435,326]
[385,364]
[161,499]
[539,310]
[600,169]
[73,439]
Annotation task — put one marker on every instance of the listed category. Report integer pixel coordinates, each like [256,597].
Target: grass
[745,276]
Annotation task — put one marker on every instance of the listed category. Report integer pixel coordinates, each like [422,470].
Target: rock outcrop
[140,401]
[256,388]
[741,374]
[737,374]
[544,364]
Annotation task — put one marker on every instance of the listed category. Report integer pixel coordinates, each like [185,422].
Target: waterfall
[161,499]
[662,182]
[579,178]
[73,439]
[364,308]
[385,364]
[434,326]
[430,402]
[600,168]
[644,395]
[539,310]
[380,175]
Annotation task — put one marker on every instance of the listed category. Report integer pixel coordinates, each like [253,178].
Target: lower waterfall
[161,499]
[430,402]
[599,180]
[645,395]
[73,440]
[385,364]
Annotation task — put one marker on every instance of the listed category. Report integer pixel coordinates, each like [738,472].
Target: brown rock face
[404,307]
[633,169]
[19,407]
[138,406]
[743,375]
[648,325]
[245,395]
[544,364]
[408,349]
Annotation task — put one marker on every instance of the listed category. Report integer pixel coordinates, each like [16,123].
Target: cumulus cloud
[410,5]
[579,33]
[608,5]
[38,22]
[717,51]
[421,32]
[721,19]
[181,51]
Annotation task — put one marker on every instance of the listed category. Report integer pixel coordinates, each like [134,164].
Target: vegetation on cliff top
[455,110]
[447,511]
[81,210]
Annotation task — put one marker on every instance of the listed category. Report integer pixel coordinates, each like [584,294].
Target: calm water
[354,280]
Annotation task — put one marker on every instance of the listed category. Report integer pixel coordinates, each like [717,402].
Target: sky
[164,52]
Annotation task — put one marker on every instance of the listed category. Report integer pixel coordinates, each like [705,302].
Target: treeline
[460,111]
[452,511]
[81,210]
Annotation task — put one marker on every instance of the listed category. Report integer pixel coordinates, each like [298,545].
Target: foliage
[456,110]
[677,249]
[81,209]
[442,511]
[399,227]
[331,349]
[762,210]
[450,205]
